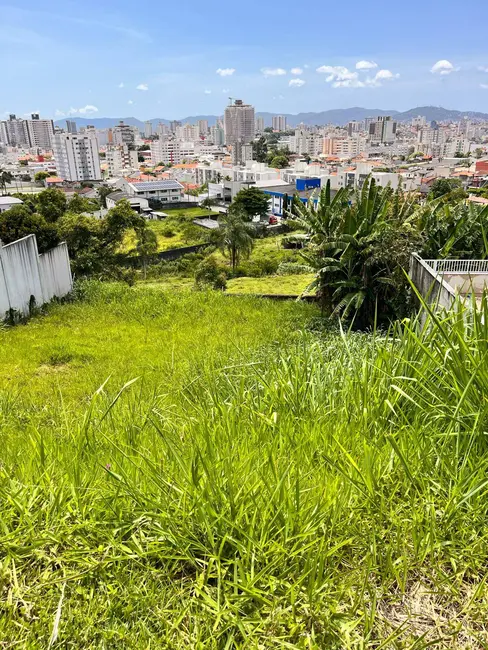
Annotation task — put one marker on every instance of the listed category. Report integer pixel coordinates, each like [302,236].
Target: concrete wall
[431,286]
[27,278]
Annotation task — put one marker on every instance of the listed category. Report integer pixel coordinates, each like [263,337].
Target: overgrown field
[203,471]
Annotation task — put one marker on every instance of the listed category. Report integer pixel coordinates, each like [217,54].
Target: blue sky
[110,59]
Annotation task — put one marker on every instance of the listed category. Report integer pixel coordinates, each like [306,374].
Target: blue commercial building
[305,189]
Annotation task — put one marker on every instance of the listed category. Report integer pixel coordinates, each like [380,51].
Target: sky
[171,59]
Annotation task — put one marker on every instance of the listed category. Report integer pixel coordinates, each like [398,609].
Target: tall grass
[227,488]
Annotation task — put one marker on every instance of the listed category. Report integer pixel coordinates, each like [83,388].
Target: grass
[243,479]
[271,284]
[170,231]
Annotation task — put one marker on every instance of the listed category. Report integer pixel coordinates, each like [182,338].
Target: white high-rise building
[148,129]
[171,151]
[217,135]
[259,124]
[3,132]
[241,153]
[382,130]
[76,156]
[239,123]
[163,129]
[188,133]
[279,123]
[123,134]
[203,127]
[71,126]
[121,159]
[16,129]
[40,132]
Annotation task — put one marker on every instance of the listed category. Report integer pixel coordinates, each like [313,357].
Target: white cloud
[366,65]
[273,72]
[225,72]
[483,68]
[121,84]
[279,97]
[348,83]
[142,87]
[130,101]
[296,82]
[485,86]
[89,109]
[207,92]
[58,113]
[296,70]
[225,90]
[380,76]
[443,67]
[337,73]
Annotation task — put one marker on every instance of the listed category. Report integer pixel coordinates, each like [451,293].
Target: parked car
[273,220]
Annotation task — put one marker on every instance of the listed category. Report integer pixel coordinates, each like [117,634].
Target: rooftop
[146,186]
[9,200]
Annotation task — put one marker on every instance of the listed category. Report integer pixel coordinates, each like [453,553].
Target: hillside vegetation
[203,471]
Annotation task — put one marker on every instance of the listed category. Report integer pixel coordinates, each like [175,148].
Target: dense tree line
[93,243]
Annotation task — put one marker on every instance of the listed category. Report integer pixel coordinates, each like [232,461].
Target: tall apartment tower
[148,130]
[259,124]
[71,126]
[40,132]
[76,156]
[123,134]
[383,130]
[16,130]
[239,123]
[279,123]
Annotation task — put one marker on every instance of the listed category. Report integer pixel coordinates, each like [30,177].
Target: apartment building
[15,129]
[148,129]
[239,123]
[121,159]
[278,123]
[168,191]
[382,130]
[169,150]
[40,132]
[76,156]
[123,134]
[259,124]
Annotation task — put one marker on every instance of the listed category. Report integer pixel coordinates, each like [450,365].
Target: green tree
[251,202]
[146,246]
[79,204]
[235,236]
[19,221]
[442,186]
[51,204]
[209,273]
[279,162]
[354,267]
[478,152]
[40,177]
[5,178]
[260,149]
[103,192]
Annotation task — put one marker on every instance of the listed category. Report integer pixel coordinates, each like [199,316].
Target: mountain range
[338,116]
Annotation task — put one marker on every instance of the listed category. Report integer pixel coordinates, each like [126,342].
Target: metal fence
[468,267]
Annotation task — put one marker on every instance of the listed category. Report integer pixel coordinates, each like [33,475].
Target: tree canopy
[251,202]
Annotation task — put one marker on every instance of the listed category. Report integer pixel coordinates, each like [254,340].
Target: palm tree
[354,272]
[5,177]
[235,236]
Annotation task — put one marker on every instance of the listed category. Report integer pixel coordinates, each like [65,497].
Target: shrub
[210,273]
[292,268]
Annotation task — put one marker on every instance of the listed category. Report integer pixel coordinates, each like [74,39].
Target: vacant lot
[189,470]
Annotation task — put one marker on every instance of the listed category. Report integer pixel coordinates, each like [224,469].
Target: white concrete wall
[27,278]
[55,273]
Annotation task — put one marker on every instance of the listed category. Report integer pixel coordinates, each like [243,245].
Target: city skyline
[113,61]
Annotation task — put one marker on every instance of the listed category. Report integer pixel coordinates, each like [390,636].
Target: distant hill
[339,116]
